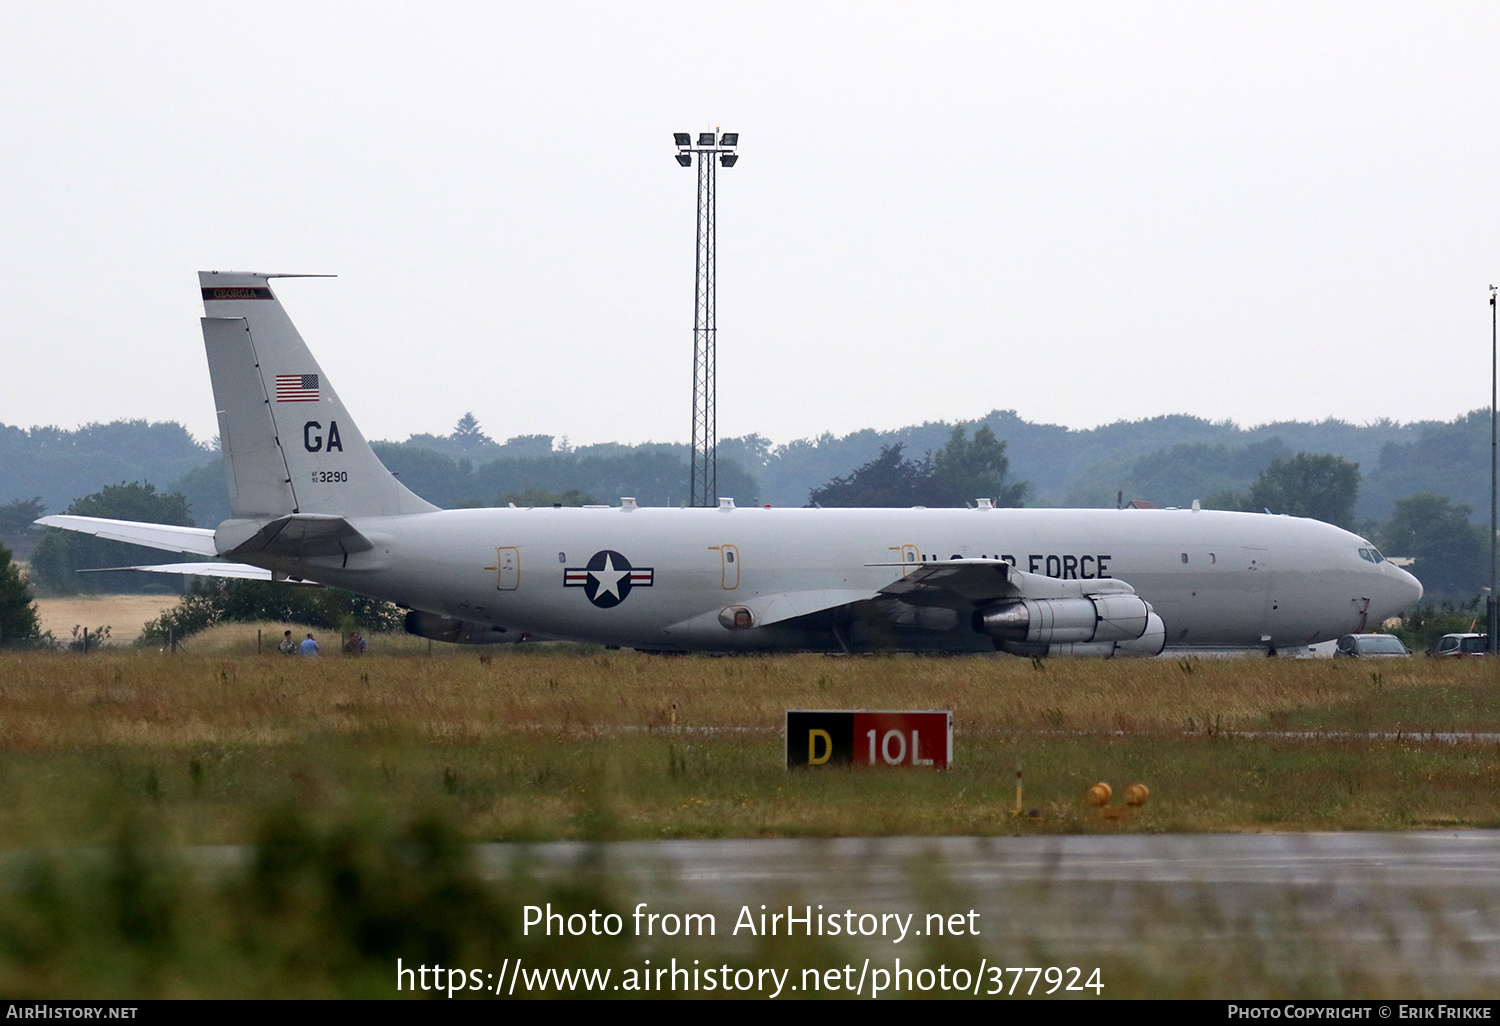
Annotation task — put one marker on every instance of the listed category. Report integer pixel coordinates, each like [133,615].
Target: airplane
[311,502]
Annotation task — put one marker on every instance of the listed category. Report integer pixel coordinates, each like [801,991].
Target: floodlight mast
[1492,599]
[703,470]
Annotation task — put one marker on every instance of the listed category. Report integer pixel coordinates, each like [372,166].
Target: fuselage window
[1184,557]
[562,557]
[729,557]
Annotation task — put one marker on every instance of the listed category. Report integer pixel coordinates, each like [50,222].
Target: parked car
[1377,646]
[1460,645]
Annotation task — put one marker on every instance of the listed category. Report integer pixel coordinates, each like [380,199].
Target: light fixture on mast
[713,151]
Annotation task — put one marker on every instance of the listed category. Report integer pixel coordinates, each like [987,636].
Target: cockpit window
[1364,554]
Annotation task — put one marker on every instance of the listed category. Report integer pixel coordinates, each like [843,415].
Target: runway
[1401,914]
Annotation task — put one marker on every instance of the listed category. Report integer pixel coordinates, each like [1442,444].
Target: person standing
[309,647]
[288,646]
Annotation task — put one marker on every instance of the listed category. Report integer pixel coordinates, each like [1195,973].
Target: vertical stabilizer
[289,444]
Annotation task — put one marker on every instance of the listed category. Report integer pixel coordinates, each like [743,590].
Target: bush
[1422,627]
[318,911]
[217,600]
[88,640]
[18,617]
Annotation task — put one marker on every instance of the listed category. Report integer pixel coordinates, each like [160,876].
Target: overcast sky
[1083,212]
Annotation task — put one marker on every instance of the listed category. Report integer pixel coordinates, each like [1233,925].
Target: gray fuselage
[1215,578]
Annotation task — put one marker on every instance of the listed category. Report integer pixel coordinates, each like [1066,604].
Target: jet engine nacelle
[1148,644]
[455,631]
[1102,619]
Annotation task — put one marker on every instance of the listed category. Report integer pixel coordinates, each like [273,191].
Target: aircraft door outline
[729,566]
[1257,562]
[508,567]
[907,556]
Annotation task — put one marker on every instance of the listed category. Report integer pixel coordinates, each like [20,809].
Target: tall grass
[358,783]
[58,699]
[538,743]
[326,909]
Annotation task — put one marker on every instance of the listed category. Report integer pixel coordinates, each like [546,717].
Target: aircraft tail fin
[289,445]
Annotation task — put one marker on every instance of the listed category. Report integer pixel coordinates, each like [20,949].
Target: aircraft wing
[237,571]
[197,540]
[978,581]
[787,605]
[954,583]
[769,609]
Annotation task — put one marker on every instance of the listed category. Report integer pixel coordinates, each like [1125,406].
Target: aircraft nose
[1404,590]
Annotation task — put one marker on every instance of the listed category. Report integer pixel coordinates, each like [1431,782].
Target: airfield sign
[841,737]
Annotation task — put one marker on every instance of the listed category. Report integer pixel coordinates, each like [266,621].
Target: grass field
[124,614]
[541,742]
[356,783]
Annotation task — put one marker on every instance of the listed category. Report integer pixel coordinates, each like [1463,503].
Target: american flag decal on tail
[296,388]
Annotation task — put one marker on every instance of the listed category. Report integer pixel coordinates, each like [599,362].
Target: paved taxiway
[1415,906]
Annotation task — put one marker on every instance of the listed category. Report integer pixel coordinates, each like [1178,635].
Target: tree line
[468,468]
[1168,460]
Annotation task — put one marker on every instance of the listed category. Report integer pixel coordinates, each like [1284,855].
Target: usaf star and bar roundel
[608,578]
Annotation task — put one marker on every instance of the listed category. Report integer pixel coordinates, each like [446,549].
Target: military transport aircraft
[311,502]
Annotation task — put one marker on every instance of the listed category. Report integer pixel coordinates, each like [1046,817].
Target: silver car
[1377,646]
[1460,645]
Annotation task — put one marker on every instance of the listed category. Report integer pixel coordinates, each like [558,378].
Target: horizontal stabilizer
[197,540]
[236,571]
[989,580]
